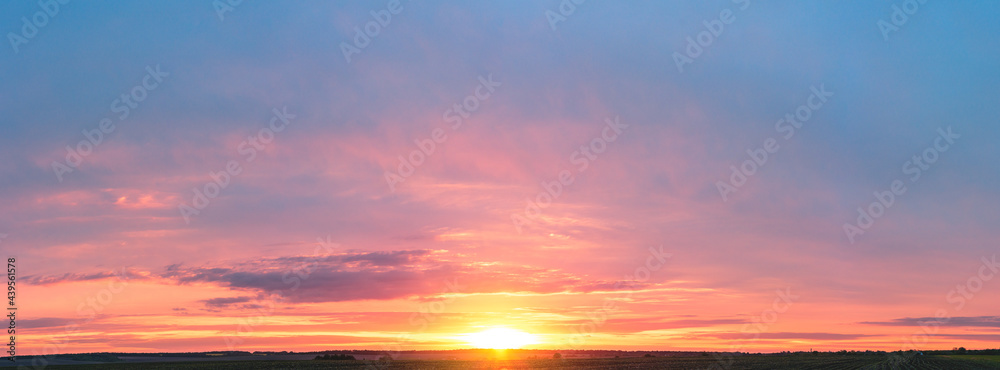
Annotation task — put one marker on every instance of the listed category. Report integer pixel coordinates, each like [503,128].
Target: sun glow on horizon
[500,338]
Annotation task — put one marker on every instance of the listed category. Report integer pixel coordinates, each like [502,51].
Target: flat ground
[796,361]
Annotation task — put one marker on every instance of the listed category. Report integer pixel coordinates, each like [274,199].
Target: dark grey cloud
[377,275]
[958,321]
[44,322]
[70,277]
[225,301]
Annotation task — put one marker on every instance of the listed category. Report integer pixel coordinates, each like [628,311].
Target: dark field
[796,361]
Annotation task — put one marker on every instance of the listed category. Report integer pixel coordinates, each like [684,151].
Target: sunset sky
[638,175]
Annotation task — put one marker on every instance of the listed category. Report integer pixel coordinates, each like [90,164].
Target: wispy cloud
[960,321]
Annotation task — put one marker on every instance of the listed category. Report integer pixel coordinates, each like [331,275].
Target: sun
[500,338]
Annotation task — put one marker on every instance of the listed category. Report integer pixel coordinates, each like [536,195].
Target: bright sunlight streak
[500,338]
